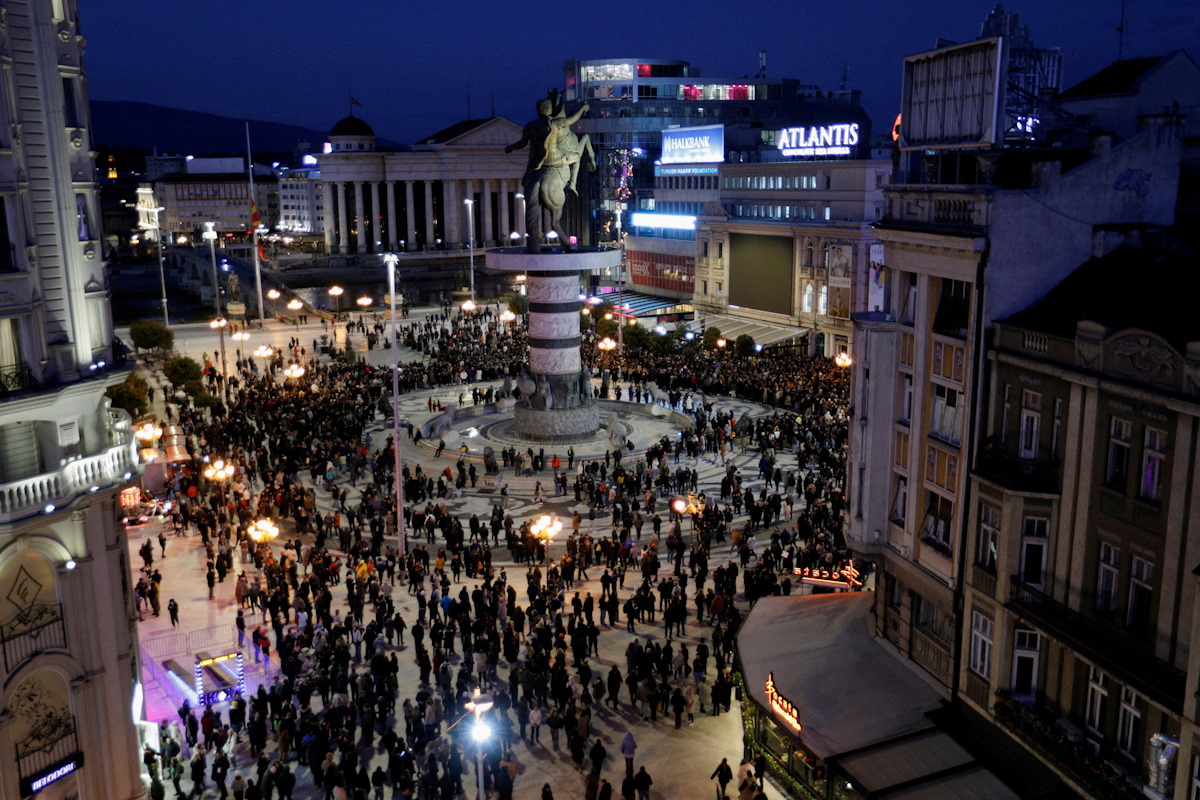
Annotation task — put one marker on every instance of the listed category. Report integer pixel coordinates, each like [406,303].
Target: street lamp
[468,305]
[148,433]
[273,295]
[507,315]
[544,529]
[337,291]
[219,471]
[364,302]
[162,274]
[210,235]
[264,351]
[262,530]
[480,704]
[293,371]
[470,204]
[391,259]
[606,344]
[843,359]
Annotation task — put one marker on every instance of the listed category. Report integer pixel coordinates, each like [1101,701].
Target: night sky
[412,64]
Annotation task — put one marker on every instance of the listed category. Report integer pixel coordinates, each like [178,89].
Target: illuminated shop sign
[828,140]
[713,170]
[55,772]
[847,577]
[780,705]
[670,222]
[704,144]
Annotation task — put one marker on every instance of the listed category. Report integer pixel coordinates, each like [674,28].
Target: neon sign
[784,709]
[701,144]
[848,577]
[55,772]
[828,140]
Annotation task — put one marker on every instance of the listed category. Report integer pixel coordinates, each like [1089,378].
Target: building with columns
[378,200]
[68,639]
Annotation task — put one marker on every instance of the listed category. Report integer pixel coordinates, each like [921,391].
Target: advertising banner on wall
[703,144]
[876,280]
[840,256]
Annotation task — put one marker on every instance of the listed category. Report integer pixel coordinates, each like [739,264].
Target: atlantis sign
[828,140]
[704,144]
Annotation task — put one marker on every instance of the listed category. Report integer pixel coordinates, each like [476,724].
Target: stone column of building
[430,234]
[343,220]
[327,200]
[393,241]
[489,234]
[473,219]
[504,200]
[454,208]
[376,234]
[410,232]
[360,216]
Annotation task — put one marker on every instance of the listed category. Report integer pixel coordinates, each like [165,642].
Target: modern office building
[377,201]
[69,688]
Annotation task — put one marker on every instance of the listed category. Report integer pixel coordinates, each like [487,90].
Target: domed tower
[352,134]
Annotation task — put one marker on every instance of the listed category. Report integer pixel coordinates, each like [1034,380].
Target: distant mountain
[121,124]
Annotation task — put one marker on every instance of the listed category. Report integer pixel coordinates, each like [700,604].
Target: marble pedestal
[561,408]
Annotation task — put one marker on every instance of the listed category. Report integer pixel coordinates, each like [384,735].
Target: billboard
[877,288]
[840,256]
[761,274]
[703,144]
[952,97]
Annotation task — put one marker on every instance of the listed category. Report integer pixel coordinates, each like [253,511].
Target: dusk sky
[413,64]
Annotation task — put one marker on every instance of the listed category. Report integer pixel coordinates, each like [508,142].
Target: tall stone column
[489,234]
[504,215]
[453,206]
[327,204]
[361,216]
[430,236]
[393,240]
[343,220]
[410,232]
[376,235]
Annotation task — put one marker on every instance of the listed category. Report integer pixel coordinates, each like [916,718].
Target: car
[148,512]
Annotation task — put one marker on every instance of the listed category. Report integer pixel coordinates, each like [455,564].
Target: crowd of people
[335,592]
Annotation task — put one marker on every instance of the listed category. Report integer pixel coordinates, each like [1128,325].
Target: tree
[181,369]
[743,345]
[711,334]
[637,336]
[130,395]
[517,303]
[150,334]
[606,321]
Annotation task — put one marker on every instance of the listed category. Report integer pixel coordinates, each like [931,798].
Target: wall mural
[27,594]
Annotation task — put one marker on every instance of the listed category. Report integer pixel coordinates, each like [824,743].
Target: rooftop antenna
[845,76]
[762,64]
[1121,34]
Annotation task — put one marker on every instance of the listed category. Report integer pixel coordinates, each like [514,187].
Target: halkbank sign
[703,144]
[827,140]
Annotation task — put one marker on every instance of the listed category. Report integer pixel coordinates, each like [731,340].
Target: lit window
[1097,699]
[808,298]
[989,536]
[823,301]
[1154,455]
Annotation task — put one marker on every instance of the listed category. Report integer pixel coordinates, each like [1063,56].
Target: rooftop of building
[351,126]
[1112,290]
[454,131]
[1119,77]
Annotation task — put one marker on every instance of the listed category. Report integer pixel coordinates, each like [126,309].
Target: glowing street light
[219,471]
[507,315]
[544,529]
[722,342]
[843,359]
[606,344]
[469,305]
[148,433]
[295,305]
[391,259]
[262,530]
[337,291]
[479,704]
[264,351]
[293,371]
[470,204]
[273,295]
[240,336]
[365,301]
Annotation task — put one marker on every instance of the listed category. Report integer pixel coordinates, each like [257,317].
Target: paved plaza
[680,760]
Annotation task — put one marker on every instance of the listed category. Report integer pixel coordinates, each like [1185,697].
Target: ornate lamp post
[544,529]
[336,292]
[479,704]
[391,259]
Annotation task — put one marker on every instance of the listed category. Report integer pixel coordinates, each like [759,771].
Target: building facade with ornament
[69,691]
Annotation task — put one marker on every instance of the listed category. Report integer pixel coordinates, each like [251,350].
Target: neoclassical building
[379,200]
[68,642]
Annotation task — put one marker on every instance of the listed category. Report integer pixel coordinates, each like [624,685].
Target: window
[1120,432]
[1106,578]
[989,536]
[906,397]
[892,591]
[720,249]
[704,249]
[808,298]
[981,645]
[70,103]
[1031,423]
[901,456]
[1056,427]
[823,301]
[945,414]
[953,308]
[909,313]
[1097,699]
[1141,593]
[10,342]
[1127,721]
[81,212]
[907,349]
[900,500]
[1154,455]
[1195,795]
[704,288]
[948,361]
[1025,665]
[935,530]
[941,468]
[8,261]
[1034,541]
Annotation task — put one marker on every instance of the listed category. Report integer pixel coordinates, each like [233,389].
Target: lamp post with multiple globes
[336,292]
[391,259]
[544,529]
[479,704]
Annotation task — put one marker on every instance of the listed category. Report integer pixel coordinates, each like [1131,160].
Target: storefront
[844,717]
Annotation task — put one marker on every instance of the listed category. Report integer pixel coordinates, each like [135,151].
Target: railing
[994,462]
[33,630]
[30,495]
[45,748]
[1102,643]
[931,654]
[16,378]
[936,206]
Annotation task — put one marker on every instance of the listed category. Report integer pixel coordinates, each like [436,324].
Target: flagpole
[254,223]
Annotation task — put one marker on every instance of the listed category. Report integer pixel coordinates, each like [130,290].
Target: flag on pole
[261,255]
[255,219]
[354,102]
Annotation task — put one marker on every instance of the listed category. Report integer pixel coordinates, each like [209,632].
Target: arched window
[823,301]
[808,298]
[824,256]
[809,252]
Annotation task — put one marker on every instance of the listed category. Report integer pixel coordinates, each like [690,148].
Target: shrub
[150,334]
[744,345]
[130,395]
[181,369]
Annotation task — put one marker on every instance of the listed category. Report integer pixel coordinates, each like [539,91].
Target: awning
[174,444]
[764,333]
[815,659]
[644,305]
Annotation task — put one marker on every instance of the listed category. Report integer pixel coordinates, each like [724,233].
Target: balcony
[1106,645]
[998,464]
[952,209]
[29,496]
[16,378]
[33,630]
